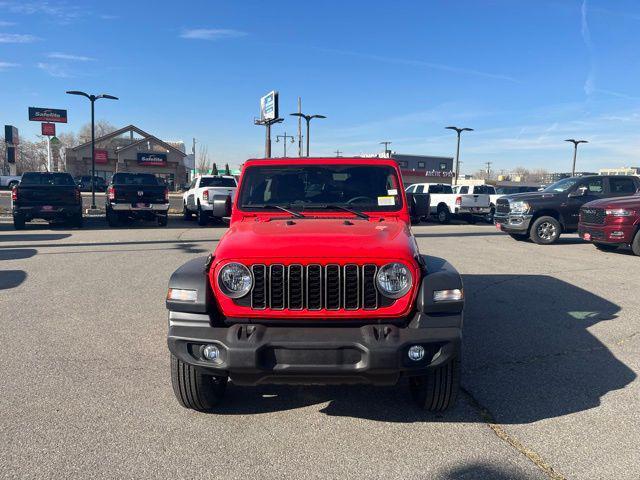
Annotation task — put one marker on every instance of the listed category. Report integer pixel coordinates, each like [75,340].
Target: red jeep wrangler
[318,280]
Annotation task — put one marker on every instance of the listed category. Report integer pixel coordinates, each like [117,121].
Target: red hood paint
[317,238]
[620,202]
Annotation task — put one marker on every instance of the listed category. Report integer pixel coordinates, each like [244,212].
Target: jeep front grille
[315,287]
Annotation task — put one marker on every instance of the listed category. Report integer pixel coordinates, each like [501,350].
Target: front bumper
[512,222]
[255,354]
[127,207]
[611,234]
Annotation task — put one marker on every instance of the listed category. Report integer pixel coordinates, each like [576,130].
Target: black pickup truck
[136,196]
[543,216]
[50,196]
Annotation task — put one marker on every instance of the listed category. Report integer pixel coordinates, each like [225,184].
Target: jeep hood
[317,238]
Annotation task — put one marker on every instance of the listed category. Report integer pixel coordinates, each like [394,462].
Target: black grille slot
[351,291]
[369,292]
[593,216]
[259,292]
[277,287]
[502,206]
[332,287]
[296,293]
[314,287]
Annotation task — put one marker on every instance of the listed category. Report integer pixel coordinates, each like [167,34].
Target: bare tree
[102,128]
[203,160]
[32,156]
[66,142]
[481,174]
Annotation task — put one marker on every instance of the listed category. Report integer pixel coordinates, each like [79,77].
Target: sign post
[46,116]
[12,141]
[268,117]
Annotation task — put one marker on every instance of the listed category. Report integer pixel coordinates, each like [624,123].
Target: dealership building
[422,168]
[131,149]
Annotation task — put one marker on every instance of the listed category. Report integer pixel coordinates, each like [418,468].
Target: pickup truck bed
[136,196]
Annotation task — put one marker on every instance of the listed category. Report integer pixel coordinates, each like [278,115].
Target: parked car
[9,181]
[493,192]
[611,223]
[209,197]
[84,183]
[445,204]
[50,196]
[317,280]
[133,196]
[544,216]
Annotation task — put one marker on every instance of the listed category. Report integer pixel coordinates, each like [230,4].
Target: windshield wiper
[345,209]
[284,209]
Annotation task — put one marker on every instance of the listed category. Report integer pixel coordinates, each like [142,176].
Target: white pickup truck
[445,204]
[209,197]
[494,193]
[9,180]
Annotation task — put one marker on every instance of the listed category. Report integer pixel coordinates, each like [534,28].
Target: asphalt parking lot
[551,358]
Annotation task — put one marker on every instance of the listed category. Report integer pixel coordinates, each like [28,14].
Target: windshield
[217,182]
[562,186]
[135,179]
[308,187]
[56,179]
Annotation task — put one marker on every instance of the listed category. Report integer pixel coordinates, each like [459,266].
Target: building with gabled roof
[131,149]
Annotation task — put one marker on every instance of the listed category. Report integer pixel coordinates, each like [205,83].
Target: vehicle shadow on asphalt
[100,223]
[461,234]
[528,356]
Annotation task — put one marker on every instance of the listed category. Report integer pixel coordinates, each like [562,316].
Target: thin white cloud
[7,65]
[211,33]
[17,38]
[62,12]
[109,17]
[54,70]
[6,24]
[70,57]
[421,63]
[590,82]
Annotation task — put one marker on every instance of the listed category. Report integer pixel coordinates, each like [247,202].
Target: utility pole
[458,131]
[337,152]
[300,127]
[386,148]
[284,143]
[575,153]
[488,164]
[267,140]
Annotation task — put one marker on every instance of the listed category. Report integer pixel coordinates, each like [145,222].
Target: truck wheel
[163,220]
[112,218]
[76,221]
[196,390]
[471,220]
[443,215]
[635,245]
[203,218]
[519,237]
[545,231]
[605,247]
[437,390]
[492,212]
[18,222]
[186,214]
[12,184]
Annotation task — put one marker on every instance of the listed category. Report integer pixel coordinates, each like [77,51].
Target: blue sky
[525,74]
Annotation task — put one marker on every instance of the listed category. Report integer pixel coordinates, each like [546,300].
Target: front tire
[545,231]
[635,245]
[194,389]
[438,389]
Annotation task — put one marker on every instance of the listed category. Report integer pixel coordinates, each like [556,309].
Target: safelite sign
[37,114]
[152,159]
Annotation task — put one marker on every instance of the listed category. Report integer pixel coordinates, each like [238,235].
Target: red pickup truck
[611,223]
[318,280]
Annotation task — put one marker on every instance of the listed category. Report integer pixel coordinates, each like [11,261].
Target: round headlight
[235,280]
[394,280]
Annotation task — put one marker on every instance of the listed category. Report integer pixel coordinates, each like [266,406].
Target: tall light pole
[92,99]
[458,131]
[284,137]
[386,147]
[575,152]
[308,118]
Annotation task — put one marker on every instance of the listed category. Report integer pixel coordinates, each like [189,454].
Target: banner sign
[269,106]
[152,159]
[37,114]
[11,135]
[49,129]
[102,156]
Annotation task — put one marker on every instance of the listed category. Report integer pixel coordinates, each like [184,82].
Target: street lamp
[458,131]
[308,119]
[92,99]
[284,137]
[575,152]
[386,147]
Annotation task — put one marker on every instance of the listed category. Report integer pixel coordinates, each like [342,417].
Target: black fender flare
[193,275]
[438,275]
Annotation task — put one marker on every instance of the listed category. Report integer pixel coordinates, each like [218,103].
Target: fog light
[211,353]
[416,353]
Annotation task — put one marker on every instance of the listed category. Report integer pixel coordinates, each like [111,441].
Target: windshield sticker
[386,201]
[393,191]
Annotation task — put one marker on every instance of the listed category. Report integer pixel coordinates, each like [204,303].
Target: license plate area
[141,205]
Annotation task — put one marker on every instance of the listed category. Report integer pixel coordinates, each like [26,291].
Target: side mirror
[579,192]
[418,204]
